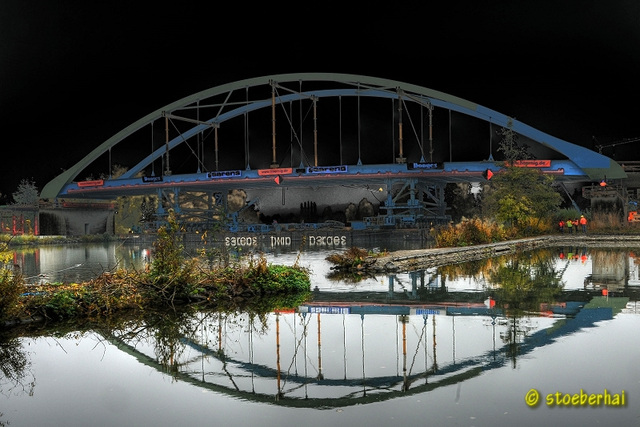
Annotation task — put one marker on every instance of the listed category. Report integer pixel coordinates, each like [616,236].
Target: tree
[518,195]
[510,147]
[26,193]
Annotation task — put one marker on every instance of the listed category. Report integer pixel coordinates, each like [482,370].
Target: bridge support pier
[413,202]
[160,212]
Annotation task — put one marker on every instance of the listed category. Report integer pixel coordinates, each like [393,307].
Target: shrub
[172,275]
[63,304]
[471,232]
[11,285]
[353,257]
[279,279]
[168,255]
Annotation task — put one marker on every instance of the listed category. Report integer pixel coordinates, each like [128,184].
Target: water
[412,349]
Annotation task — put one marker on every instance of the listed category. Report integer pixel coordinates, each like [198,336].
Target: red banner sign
[532,163]
[276,171]
[95,183]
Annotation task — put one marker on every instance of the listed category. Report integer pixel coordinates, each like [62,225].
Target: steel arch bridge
[314,130]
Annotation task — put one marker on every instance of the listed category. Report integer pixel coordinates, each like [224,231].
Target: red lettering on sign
[95,183]
[278,171]
[532,163]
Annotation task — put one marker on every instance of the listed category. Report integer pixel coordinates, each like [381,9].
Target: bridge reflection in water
[342,355]
[395,341]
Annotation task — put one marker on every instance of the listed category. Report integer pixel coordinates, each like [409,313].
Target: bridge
[327,138]
[222,354]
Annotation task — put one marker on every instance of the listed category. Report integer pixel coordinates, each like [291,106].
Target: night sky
[73,73]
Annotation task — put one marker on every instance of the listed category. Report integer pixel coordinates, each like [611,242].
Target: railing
[603,192]
[631,166]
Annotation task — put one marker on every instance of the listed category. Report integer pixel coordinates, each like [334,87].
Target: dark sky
[74,73]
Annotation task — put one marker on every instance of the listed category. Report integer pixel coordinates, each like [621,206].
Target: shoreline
[418,259]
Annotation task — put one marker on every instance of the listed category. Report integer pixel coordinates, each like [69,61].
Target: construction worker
[561,225]
[583,223]
[570,226]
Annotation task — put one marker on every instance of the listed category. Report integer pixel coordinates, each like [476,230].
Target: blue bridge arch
[577,164]
[390,160]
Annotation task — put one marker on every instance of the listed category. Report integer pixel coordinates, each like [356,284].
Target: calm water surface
[429,348]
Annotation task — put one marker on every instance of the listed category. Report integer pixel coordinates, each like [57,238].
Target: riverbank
[31,240]
[171,280]
[418,259]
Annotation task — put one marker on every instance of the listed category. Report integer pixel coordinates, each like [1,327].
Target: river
[433,347]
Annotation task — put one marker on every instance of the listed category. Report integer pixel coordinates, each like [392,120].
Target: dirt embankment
[419,259]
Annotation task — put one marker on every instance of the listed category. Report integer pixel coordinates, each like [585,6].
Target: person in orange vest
[583,223]
[561,225]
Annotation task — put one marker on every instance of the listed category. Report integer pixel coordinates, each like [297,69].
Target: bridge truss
[297,133]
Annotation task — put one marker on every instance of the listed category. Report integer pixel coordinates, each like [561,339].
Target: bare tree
[510,147]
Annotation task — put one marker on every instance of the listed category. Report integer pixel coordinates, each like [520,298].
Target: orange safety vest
[583,221]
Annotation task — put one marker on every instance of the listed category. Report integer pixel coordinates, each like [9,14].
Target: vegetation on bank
[477,231]
[350,265]
[519,202]
[352,257]
[171,280]
[33,240]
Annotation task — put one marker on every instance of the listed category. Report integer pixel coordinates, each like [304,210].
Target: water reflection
[313,359]
[77,263]
[328,355]
[15,368]
[606,268]
[364,341]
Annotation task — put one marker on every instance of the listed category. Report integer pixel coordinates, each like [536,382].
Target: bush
[63,304]
[351,258]
[278,279]
[11,287]
[172,275]
[168,255]
[471,232]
